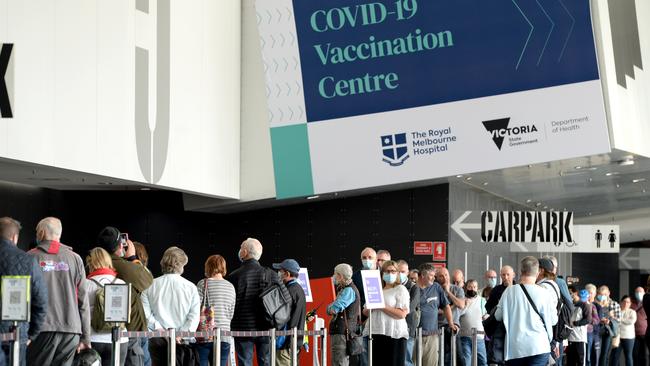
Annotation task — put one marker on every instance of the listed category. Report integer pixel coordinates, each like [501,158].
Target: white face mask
[367,263]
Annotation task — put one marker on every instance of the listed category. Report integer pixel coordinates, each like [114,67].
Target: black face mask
[470,293]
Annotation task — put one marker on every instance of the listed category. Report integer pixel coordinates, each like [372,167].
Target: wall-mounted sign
[440,251]
[303,280]
[15,291]
[585,239]
[422,248]
[373,289]
[440,265]
[413,89]
[514,226]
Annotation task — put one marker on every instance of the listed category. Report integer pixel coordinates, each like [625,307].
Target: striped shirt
[221,296]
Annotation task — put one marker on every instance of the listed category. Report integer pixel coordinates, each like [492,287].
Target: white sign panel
[15,298]
[586,239]
[303,280]
[373,289]
[117,303]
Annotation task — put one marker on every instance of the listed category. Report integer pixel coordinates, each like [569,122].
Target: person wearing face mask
[413,317]
[345,312]
[472,318]
[610,316]
[389,328]
[628,318]
[640,327]
[490,280]
[288,272]
[368,262]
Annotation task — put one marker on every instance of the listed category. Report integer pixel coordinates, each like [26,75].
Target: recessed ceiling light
[485,183]
[618,185]
[578,167]
[626,161]
[468,178]
[545,207]
[459,176]
[538,204]
[590,179]
[638,180]
[529,201]
[590,214]
[313,197]
[612,173]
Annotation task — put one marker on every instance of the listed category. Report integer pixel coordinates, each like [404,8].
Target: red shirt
[641,319]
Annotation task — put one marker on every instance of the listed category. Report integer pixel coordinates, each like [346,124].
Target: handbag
[206,316]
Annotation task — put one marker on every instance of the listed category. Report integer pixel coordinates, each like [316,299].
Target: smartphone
[124,237]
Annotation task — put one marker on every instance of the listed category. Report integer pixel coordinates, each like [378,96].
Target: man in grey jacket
[66,327]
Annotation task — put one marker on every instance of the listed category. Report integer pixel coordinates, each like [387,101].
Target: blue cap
[584,295]
[288,265]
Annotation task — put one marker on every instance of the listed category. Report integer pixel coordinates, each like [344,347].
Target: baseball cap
[583,294]
[546,264]
[288,265]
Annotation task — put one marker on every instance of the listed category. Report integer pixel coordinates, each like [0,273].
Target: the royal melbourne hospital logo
[394,149]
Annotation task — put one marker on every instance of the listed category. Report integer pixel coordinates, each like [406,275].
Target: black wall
[317,234]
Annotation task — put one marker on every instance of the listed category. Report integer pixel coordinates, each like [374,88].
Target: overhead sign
[15,291]
[440,251]
[423,248]
[303,280]
[634,258]
[586,239]
[412,89]
[373,289]
[514,226]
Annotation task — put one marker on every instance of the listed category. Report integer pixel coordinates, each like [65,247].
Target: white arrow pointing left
[458,226]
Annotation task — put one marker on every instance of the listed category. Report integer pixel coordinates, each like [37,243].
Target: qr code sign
[116,301]
[14,297]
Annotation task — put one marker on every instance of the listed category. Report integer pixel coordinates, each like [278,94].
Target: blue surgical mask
[239,256]
[390,278]
[492,282]
[602,298]
[368,263]
[639,296]
[403,277]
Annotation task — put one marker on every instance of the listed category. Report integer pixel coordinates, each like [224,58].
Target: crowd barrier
[319,337]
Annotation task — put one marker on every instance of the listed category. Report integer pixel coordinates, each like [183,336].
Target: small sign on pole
[372,289]
[440,251]
[117,303]
[422,248]
[15,298]
[303,280]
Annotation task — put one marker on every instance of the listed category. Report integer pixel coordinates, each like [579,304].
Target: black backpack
[562,329]
[276,300]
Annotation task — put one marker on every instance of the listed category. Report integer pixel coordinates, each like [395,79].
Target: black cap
[109,239]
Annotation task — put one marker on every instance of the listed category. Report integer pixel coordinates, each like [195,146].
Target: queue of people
[531,318]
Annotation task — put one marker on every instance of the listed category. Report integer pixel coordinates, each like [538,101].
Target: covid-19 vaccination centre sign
[364,94]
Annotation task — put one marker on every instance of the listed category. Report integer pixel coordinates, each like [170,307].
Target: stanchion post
[452,346]
[272,335]
[115,346]
[216,348]
[15,346]
[171,354]
[294,346]
[441,352]
[314,347]
[474,348]
[369,338]
[323,348]
[418,352]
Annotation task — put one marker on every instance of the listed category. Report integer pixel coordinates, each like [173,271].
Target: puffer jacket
[15,262]
[249,281]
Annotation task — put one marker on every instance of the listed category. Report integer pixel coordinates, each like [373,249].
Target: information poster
[15,298]
[364,94]
[373,289]
[303,280]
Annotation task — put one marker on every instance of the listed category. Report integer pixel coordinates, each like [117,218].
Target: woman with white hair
[345,312]
[171,301]
[388,327]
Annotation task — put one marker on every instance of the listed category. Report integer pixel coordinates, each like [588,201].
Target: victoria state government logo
[395,149]
[499,130]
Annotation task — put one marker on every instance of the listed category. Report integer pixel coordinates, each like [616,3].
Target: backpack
[87,357]
[562,329]
[276,301]
[97,318]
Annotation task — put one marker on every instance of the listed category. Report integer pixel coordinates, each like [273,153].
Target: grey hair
[345,270]
[529,266]
[384,251]
[173,261]
[50,227]
[253,247]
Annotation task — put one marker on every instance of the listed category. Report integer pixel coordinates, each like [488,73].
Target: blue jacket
[15,262]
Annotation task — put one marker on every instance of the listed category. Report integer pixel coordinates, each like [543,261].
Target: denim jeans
[466,351]
[205,353]
[146,358]
[537,360]
[244,348]
[410,347]
[605,346]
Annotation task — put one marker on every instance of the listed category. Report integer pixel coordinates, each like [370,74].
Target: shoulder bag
[206,316]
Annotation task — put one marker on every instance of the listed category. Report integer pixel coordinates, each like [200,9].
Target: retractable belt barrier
[208,333]
[7,337]
[472,333]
